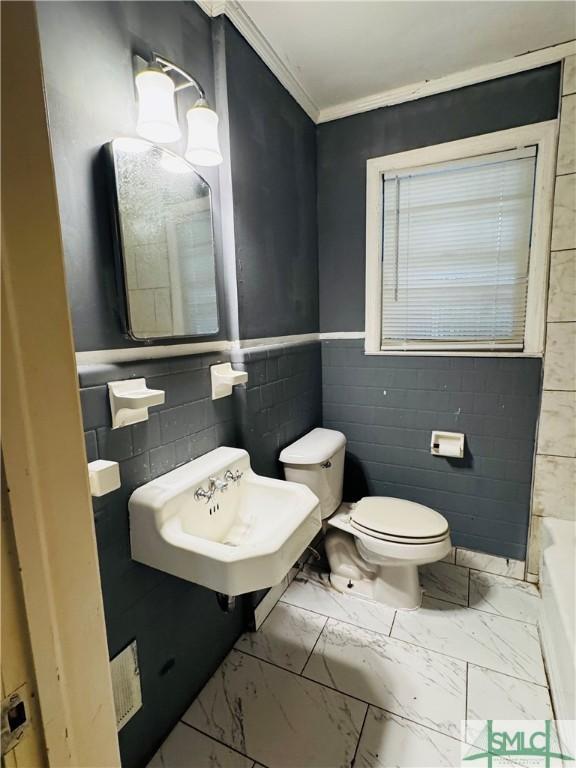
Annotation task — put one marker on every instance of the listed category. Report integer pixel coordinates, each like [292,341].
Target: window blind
[455,252]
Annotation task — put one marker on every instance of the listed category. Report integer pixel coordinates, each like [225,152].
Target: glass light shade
[203,147]
[157,119]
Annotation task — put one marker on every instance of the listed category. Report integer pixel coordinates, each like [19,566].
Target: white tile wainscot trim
[157,351]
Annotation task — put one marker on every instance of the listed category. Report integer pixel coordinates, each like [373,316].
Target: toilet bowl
[374,547]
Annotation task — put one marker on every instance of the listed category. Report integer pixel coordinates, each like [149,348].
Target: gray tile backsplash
[387,406]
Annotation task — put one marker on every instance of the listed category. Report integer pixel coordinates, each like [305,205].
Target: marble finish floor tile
[494,696]
[388,740]
[186,747]
[285,638]
[276,717]
[445,581]
[494,642]
[503,699]
[402,678]
[504,597]
[312,590]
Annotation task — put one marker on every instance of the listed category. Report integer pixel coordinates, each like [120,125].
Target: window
[456,260]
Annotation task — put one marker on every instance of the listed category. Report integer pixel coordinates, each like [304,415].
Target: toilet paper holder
[450,444]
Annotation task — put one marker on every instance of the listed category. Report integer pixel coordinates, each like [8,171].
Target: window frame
[544,137]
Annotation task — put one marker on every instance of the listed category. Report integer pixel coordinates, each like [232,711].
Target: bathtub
[558,619]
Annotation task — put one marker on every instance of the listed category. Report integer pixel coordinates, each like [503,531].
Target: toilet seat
[398,521]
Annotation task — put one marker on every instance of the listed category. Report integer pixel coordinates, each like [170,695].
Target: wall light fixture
[157,83]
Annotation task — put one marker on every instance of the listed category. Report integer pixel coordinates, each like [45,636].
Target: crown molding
[234,11]
[207,6]
[242,21]
[451,82]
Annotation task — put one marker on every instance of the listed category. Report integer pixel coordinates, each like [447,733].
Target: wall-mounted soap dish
[104,477]
[224,377]
[130,400]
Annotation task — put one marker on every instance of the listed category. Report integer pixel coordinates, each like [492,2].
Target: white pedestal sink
[218,524]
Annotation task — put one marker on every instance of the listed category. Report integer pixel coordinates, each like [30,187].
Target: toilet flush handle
[326,465]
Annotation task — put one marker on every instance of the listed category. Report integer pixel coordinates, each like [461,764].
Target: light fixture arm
[169,66]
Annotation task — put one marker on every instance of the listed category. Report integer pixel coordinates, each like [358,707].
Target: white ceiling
[344,50]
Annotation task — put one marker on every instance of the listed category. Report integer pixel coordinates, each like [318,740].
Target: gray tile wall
[281,402]
[387,407]
[182,635]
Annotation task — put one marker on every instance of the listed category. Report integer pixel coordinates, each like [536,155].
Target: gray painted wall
[273,156]
[345,145]
[388,406]
[87,47]
[87,53]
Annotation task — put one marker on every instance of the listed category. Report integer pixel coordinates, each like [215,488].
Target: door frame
[42,434]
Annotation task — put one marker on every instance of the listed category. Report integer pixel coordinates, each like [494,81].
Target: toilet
[374,546]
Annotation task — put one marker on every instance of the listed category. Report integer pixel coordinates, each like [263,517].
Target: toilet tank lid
[317,446]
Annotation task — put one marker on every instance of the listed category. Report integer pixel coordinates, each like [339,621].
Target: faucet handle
[202,493]
[233,477]
[220,484]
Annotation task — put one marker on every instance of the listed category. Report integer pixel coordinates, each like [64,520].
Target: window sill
[451,353]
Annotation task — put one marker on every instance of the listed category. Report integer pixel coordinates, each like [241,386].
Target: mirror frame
[121,280]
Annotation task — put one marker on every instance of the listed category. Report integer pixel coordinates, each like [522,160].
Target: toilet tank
[317,460]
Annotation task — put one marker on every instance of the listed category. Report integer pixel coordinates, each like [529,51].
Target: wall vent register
[126,684]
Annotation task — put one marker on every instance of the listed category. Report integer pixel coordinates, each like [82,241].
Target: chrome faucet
[214,484]
[233,477]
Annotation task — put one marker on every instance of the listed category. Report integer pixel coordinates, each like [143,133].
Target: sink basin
[245,537]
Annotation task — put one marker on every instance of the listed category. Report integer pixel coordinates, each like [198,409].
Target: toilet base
[397,587]
[394,585]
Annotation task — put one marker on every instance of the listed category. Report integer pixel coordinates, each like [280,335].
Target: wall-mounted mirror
[164,218]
